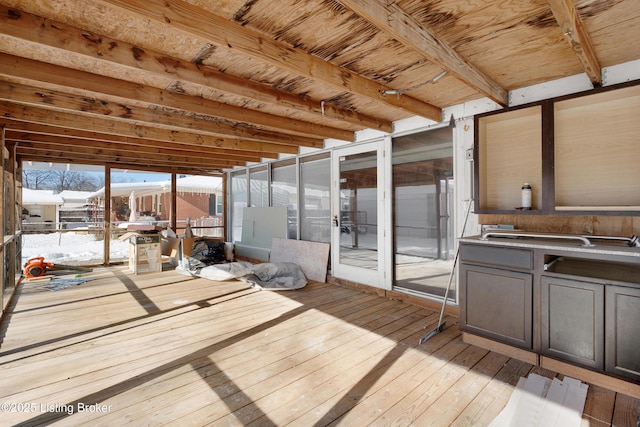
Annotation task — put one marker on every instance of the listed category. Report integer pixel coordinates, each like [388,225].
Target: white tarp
[275,276]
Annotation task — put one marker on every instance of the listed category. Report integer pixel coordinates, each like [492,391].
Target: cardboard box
[185,246]
[180,249]
[187,243]
[169,244]
[145,253]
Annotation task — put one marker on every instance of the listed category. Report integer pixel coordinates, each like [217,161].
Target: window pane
[220,205]
[258,178]
[238,203]
[315,186]
[284,193]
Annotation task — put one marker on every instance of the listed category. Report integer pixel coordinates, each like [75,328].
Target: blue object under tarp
[61,283]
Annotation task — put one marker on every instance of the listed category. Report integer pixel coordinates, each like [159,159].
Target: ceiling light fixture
[401,91]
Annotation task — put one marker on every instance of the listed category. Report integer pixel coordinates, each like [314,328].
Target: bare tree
[59,180]
[98,181]
[72,180]
[36,179]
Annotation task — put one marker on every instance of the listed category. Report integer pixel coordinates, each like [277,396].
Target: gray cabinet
[623,331]
[579,305]
[496,303]
[572,321]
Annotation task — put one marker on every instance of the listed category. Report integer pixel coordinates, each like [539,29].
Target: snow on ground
[71,248]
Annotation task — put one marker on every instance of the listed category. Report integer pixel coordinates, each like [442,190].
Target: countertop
[600,247]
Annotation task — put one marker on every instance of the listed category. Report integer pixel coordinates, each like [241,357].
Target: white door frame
[381,276]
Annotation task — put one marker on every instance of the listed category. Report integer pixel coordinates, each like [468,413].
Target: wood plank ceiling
[199,86]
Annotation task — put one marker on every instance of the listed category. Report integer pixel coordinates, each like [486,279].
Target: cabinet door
[572,321]
[622,350]
[497,304]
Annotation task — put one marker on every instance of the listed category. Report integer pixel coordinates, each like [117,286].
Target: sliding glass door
[423,203]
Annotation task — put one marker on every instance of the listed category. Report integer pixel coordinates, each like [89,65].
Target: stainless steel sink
[632,241]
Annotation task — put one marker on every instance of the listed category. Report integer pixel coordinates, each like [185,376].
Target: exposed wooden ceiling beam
[135,94]
[152,116]
[54,151]
[144,149]
[54,34]
[220,31]
[122,165]
[123,127]
[574,32]
[23,129]
[389,17]
[120,150]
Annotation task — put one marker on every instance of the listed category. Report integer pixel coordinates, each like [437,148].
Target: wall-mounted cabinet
[509,155]
[578,152]
[596,151]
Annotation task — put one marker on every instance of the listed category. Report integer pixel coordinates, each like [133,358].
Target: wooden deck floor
[163,348]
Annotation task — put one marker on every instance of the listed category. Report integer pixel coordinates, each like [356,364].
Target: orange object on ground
[36,267]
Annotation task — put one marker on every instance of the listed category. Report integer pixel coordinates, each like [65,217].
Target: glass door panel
[422,188]
[358,211]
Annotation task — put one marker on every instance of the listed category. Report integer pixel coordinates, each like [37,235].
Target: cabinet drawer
[491,255]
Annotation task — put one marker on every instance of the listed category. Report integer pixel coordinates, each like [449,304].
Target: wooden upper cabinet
[597,151]
[580,153]
[509,154]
